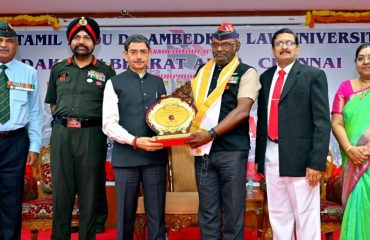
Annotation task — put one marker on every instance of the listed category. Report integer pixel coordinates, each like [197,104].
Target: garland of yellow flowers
[27,20]
[334,16]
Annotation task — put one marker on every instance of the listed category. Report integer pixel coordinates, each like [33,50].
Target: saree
[355,107]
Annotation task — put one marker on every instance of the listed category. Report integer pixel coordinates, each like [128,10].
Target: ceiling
[163,6]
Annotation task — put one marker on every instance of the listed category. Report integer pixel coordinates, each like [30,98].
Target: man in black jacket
[292,139]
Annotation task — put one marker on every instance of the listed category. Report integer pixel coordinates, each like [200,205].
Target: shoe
[100,229]
[74,229]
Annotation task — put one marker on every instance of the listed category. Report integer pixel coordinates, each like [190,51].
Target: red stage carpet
[186,234]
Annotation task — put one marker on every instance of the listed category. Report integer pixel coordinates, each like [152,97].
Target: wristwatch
[213,133]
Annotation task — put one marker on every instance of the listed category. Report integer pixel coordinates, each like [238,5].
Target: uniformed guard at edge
[78,145]
[20,130]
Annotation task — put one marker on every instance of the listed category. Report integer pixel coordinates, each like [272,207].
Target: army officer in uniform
[78,145]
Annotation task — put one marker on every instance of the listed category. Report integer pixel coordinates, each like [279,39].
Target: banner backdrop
[178,51]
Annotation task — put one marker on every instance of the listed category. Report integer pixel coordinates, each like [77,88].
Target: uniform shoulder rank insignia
[110,66]
[59,61]
[105,63]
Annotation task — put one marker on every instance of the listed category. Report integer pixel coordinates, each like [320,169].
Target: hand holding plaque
[171,117]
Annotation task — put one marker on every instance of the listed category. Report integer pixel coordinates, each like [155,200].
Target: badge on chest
[94,77]
[234,79]
[64,77]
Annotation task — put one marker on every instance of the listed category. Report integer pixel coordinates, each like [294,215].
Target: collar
[219,67]
[71,60]
[136,74]
[286,69]
[10,64]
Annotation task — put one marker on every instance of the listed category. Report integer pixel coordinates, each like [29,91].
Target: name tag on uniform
[21,86]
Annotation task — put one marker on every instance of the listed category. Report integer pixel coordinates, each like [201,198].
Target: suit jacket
[304,120]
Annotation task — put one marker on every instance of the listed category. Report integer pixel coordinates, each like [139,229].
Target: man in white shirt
[136,157]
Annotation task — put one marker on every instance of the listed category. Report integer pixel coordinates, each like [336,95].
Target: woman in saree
[351,127]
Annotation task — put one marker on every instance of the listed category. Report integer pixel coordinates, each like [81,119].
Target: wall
[178,51]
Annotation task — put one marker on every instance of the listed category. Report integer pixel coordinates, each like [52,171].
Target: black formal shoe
[74,229]
[100,229]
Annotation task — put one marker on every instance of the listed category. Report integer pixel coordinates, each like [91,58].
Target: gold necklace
[363,94]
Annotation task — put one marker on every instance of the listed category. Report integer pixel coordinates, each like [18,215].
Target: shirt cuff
[34,147]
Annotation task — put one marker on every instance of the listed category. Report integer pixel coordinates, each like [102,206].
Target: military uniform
[20,131]
[78,145]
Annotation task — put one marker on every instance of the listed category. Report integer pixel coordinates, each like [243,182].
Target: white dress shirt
[111,126]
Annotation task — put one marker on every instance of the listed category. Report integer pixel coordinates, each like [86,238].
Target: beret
[6,30]
[225,31]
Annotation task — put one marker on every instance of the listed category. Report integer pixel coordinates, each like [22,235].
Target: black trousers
[127,180]
[77,165]
[221,185]
[102,205]
[13,157]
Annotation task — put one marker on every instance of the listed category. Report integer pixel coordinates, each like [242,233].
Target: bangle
[348,148]
[134,142]
[213,133]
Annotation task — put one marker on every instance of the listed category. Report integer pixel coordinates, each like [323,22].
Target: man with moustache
[20,130]
[292,139]
[224,91]
[136,157]
[78,145]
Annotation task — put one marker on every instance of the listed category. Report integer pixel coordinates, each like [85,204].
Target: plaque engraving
[171,118]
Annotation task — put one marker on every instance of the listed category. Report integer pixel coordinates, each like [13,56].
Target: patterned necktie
[273,128]
[4,96]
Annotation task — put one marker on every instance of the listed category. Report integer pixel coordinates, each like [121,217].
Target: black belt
[71,122]
[7,134]
[275,141]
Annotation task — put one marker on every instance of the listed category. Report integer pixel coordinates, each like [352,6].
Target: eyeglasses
[224,45]
[362,58]
[288,43]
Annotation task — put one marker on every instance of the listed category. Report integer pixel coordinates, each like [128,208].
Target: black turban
[89,25]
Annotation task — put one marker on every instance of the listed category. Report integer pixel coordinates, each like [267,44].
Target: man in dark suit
[292,139]
[136,157]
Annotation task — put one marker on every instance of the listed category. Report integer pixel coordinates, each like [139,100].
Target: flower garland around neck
[27,20]
[324,16]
